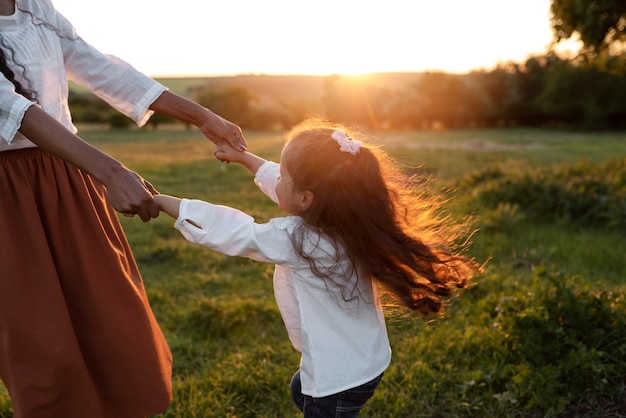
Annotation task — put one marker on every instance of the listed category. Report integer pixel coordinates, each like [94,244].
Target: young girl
[352,229]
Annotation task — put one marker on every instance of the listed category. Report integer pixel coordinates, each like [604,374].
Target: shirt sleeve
[266,178]
[12,109]
[108,77]
[233,232]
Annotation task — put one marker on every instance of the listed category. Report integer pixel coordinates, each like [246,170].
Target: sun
[353,72]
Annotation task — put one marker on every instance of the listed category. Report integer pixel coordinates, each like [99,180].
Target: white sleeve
[233,232]
[12,109]
[266,178]
[110,78]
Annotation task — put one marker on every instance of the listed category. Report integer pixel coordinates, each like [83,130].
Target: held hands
[226,153]
[218,130]
[132,195]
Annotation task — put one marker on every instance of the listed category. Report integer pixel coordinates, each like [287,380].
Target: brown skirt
[77,335]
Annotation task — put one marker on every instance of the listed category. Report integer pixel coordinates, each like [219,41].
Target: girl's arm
[225,152]
[265,177]
[127,191]
[168,204]
[171,206]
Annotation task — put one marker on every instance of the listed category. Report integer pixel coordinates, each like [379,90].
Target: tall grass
[513,345]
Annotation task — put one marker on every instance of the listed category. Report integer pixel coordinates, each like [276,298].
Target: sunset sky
[228,37]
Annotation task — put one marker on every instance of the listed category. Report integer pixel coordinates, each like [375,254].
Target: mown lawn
[541,333]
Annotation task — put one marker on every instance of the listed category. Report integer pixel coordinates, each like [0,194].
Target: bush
[119,121]
[564,345]
[585,193]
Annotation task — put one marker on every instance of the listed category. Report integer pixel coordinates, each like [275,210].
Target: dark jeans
[346,404]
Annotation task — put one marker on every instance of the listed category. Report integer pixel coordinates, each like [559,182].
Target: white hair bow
[346,144]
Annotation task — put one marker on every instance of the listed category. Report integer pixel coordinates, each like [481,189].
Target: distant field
[277,86]
[513,345]
[180,85]
[447,154]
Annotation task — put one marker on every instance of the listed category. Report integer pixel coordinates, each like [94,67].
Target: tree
[601,24]
[118,120]
[445,99]
[233,103]
[496,95]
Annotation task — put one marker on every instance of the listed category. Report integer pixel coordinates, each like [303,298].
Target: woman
[77,335]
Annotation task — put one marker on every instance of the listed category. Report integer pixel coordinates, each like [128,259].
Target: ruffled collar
[11,23]
[286,223]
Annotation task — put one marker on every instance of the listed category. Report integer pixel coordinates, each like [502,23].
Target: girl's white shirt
[343,343]
[48,57]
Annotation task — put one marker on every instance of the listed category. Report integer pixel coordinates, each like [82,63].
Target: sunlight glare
[284,37]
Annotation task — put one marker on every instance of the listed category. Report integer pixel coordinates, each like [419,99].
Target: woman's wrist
[180,108]
[108,170]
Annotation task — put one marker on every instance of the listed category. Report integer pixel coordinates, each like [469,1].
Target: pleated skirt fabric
[77,335]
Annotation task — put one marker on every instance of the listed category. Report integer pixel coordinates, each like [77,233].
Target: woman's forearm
[212,126]
[48,134]
[180,108]
[127,191]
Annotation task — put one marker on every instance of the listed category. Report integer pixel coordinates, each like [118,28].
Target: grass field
[540,333]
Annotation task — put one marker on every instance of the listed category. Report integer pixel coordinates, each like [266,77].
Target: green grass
[232,357]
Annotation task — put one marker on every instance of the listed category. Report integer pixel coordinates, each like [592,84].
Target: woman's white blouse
[48,52]
[343,344]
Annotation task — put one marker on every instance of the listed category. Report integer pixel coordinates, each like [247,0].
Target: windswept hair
[377,215]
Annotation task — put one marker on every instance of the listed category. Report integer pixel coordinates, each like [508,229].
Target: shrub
[564,345]
[118,120]
[584,193]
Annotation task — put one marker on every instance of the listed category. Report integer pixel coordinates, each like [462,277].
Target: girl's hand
[226,153]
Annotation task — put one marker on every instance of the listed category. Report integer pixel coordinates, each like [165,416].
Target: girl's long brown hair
[377,216]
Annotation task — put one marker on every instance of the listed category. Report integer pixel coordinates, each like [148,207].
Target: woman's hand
[131,195]
[218,130]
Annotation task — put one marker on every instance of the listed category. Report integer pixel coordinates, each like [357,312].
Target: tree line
[545,90]
[587,91]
